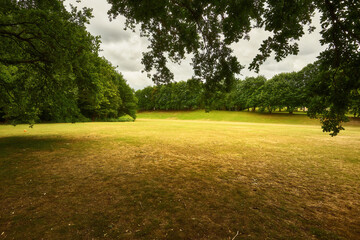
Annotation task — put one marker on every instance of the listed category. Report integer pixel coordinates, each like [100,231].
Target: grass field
[254,117]
[172,179]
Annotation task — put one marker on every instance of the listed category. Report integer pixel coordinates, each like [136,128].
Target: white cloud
[124,48]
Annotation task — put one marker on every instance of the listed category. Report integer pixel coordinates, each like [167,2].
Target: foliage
[206,29]
[283,90]
[175,28]
[355,103]
[108,95]
[250,89]
[40,43]
[124,118]
[252,92]
[146,100]
[173,96]
[50,69]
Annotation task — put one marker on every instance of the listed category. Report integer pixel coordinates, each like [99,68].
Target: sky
[124,48]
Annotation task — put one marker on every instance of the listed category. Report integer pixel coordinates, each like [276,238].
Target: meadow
[181,175]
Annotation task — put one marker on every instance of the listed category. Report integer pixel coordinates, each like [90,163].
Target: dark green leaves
[50,69]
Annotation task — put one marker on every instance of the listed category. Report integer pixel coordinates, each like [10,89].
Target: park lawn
[236,116]
[171,179]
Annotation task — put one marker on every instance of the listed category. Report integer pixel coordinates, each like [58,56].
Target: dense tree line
[173,96]
[288,91]
[50,69]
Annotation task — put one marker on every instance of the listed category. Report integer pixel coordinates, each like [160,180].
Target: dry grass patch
[178,180]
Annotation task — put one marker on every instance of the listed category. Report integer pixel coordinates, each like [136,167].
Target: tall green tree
[128,98]
[194,94]
[288,91]
[233,98]
[272,94]
[40,45]
[104,92]
[251,90]
[146,98]
[355,103]
[50,69]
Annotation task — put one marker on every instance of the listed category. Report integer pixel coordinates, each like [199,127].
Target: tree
[41,45]
[288,91]
[50,69]
[306,79]
[272,94]
[250,91]
[146,98]
[194,94]
[172,96]
[208,28]
[98,95]
[355,103]
[128,98]
[164,97]
[234,100]
[103,92]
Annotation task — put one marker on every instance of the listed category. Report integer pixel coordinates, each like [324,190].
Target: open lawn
[172,179]
[244,116]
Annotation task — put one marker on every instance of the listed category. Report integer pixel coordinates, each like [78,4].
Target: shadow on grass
[15,155]
[10,145]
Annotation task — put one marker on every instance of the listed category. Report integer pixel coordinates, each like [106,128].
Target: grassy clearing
[178,180]
[254,117]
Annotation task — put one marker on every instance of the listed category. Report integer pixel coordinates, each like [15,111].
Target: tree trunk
[290,110]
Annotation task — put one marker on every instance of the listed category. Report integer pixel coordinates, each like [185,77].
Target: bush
[124,118]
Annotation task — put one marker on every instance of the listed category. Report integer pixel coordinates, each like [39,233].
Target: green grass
[229,116]
[166,179]
[244,116]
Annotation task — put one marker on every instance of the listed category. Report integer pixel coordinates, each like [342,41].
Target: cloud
[110,34]
[122,54]
[137,80]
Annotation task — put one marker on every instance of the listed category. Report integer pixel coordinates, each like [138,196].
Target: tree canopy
[206,29]
[50,68]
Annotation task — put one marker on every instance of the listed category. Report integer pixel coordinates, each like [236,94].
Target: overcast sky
[124,48]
